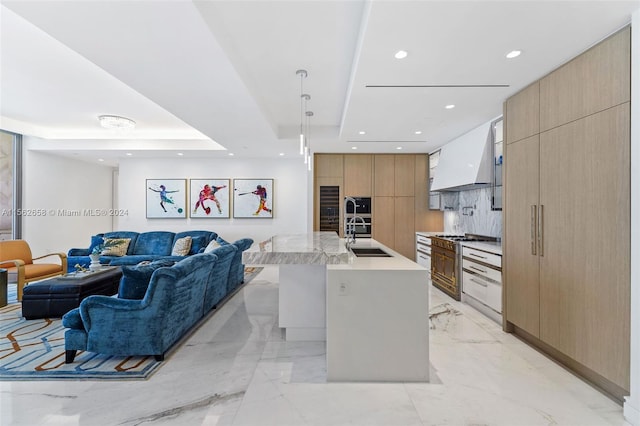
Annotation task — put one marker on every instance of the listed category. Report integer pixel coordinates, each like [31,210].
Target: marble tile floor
[238,370]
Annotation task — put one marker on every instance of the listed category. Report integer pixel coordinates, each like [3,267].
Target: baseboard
[631,414]
[603,384]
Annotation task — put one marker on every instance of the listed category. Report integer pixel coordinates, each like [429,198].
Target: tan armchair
[15,256]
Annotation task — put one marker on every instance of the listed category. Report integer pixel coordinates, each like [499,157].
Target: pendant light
[303,98]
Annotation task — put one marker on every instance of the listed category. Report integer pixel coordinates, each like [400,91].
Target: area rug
[34,350]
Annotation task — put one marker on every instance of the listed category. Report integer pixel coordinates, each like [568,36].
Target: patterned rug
[34,350]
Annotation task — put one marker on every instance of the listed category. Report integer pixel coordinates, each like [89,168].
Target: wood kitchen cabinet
[329,165]
[523,111]
[404,175]
[384,175]
[567,220]
[358,175]
[591,82]
[522,261]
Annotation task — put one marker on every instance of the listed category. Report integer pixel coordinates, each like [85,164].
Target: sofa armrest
[78,252]
[10,263]
[100,311]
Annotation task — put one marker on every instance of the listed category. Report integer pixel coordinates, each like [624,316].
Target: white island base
[301,310]
[377,325]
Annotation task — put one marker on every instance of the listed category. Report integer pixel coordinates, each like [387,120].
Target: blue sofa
[144,246]
[174,299]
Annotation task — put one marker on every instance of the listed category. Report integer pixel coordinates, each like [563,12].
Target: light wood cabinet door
[404,239]
[358,175]
[523,114]
[383,220]
[592,82]
[521,261]
[384,175]
[404,175]
[328,165]
[585,281]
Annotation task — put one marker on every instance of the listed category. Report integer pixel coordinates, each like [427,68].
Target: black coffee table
[57,296]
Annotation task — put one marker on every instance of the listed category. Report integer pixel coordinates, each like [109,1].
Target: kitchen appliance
[446,261]
[362,206]
[329,208]
[361,226]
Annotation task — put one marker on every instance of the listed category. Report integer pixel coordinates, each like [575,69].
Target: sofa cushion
[212,246]
[135,279]
[115,246]
[124,234]
[182,246]
[154,242]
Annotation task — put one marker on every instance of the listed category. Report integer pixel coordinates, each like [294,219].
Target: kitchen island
[372,311]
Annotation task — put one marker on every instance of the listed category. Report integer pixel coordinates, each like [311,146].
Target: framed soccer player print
[166,198]
[253,198]
[209,198]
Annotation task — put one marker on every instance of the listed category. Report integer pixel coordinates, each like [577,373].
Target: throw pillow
[135,279]
[212,246]
[182,246]
[116,246]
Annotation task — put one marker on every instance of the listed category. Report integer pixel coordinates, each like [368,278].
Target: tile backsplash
[474,215]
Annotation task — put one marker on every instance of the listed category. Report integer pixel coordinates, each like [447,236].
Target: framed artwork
[209,198]
[166,198]
[253,198]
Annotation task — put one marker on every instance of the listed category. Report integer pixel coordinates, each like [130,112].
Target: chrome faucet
[350,228]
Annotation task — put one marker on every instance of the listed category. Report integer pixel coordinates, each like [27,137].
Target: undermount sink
[369,252]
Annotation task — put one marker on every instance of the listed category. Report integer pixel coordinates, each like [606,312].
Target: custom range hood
[465,162]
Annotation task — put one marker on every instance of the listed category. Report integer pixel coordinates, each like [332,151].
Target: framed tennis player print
[166,198]
[253,198]
[209,198]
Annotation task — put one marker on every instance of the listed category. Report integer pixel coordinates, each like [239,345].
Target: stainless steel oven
[361,225]
[362,204]
[362,230]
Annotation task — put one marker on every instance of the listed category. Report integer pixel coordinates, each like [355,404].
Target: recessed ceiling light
[513,54]
[362,132]
[282,154]
[100,159]
[231,154]
[180,154]
[401,54]
[398,147]
[129,154]
[418,132]
[354,147]
[450,106]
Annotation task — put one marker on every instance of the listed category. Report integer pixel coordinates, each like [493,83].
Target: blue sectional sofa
[144,246]
[156,305]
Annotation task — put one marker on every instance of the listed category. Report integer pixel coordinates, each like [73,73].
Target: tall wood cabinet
[567,214]
[398,185]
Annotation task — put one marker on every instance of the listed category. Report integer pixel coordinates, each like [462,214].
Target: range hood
[465,162]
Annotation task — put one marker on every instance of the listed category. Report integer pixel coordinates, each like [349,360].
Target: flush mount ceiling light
[513,54]
[116,122]
[401,54]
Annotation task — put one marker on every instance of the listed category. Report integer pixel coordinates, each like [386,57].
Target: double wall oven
[362,228]
[446,261]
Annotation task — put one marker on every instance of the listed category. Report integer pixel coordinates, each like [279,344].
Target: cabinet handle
[541,231]
[478,282]
[477,255]
[534,219]
[478,269]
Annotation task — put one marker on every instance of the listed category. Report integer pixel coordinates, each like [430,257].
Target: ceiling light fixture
[450,106]
[180,154]
[116,122]
[307,145]
[401,54]
[398,147]
[129,154]
[303,98]
[418,132]
[513,54]
[281,154]
[354,147]
[362,132]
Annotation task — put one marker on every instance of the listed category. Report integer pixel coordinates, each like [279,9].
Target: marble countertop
[317,248]
[395,262]
[488,246]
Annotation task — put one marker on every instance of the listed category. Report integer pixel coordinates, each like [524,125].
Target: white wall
[632,403]
[53,184]
[290,195]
